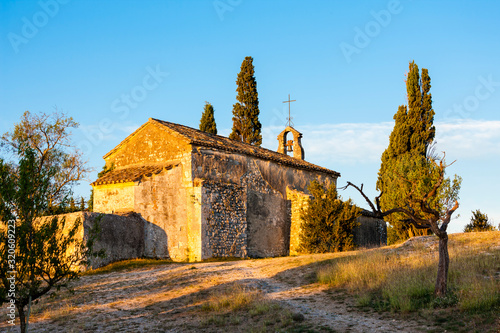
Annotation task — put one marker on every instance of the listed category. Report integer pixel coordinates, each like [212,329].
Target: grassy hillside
[401,278]
[385,289]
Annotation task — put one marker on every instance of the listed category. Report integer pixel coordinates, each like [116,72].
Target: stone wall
[193,221]
[216,165]
[268,216]
[122,237]
[268,208]
[268,225]
[224,226]
[162,200]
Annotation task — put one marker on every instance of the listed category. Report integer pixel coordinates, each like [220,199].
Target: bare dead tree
[429,217]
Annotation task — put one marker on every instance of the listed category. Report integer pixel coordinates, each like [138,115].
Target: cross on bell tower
[286,146]
[289,119]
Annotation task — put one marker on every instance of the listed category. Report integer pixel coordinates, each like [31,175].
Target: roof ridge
[226,144]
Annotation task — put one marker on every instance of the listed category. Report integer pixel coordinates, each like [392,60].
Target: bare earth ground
[168,298]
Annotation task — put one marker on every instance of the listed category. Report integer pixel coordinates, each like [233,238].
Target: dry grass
[402,278]
[237,305]
[232,299]
[54,313]
[127,265]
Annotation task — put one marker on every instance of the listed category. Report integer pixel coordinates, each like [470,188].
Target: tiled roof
[131,174]
[204,139]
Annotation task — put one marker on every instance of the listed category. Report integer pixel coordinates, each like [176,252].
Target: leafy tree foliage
[36,255]
[48,136]
[421,174]
[479,222]
[411,138]
[246,124]
[328,222]
[429,204]
[207,122]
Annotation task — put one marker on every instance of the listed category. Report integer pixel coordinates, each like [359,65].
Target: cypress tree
[72,206]
[420,112]
[411,138]
[246,124]
[207,122]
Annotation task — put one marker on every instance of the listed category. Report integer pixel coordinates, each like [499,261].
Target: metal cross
[289,119]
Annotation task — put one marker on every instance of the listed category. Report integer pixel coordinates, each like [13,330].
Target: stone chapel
[204,195]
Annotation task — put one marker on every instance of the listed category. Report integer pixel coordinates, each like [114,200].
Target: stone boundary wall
[224,227]
[122,237]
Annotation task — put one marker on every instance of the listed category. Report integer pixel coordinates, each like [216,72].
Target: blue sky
[113,64]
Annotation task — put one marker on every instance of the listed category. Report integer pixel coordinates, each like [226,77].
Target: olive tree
[428,204]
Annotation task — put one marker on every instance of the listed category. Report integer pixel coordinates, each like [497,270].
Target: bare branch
[360,190]
[448,215]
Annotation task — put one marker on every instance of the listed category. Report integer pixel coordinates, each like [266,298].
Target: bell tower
[294,145]
[287,146]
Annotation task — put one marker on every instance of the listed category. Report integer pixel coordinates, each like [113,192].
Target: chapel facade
[205,195]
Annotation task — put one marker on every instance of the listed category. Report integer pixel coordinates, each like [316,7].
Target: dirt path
[168,298]
[323,307]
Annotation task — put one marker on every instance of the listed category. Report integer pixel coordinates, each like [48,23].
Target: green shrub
[327,222]
[479,222]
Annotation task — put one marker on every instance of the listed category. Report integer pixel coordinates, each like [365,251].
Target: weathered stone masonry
[225,228]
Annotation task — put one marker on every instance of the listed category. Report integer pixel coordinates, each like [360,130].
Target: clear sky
[113,64]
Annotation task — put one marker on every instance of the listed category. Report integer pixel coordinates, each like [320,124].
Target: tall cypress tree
[246,124]
[411,137]
[420,112]
[207,122]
